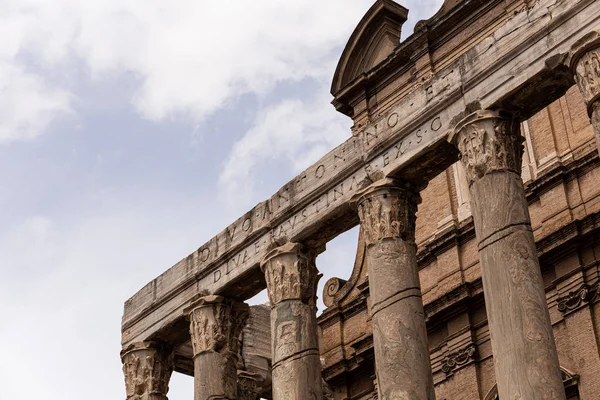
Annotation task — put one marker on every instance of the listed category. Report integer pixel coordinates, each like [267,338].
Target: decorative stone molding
[147,368]
[575,299]
[216,324]
[458,358]
[387,209]
[488,141]
[332,288]
[291,274]
[585,63]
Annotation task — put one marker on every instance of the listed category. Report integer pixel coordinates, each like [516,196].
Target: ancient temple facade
[473,171]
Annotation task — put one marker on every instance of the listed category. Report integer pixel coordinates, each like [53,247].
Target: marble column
[147,368]
[585,63]
[292,278]
[525,358]
[387,215]
[215,327]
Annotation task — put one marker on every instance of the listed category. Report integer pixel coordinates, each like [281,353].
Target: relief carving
[250,386]
[291,274]
[585,294]
[332,287]
[387,210]
[525,275]
[216,324]
[587,75]
[147,368]
[488,141]
[458,358]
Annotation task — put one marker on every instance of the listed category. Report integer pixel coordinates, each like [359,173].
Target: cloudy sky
[131,132]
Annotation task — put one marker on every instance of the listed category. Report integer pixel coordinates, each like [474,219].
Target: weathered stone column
[586,68]
[292,277]
[387,215]
[147,367]
[215,327]
[525,359]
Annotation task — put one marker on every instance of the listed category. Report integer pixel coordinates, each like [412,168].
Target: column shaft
[292,277]
[525,358]
[586,68]
[403,368]
[147,368]
[215,327]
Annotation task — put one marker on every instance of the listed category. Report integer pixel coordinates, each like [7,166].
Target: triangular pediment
[373,40]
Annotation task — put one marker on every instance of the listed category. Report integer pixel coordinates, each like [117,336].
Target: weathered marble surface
[387,214]
[216,324]
[292,278]
[586,68]
[525,357]
[147,368]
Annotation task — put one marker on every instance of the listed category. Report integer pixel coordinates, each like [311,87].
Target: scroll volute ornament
[147,368]
[216,324]
[387,209]
[291,274]
[585,63]
[488,141]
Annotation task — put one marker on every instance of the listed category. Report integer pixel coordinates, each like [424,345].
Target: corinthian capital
[291,274]
[147,368]
[216,324]
[488,141]
[585,63]
[387,210]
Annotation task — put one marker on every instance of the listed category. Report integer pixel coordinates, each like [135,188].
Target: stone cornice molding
[488,141]
[216,324]
[291,274]
[387,210]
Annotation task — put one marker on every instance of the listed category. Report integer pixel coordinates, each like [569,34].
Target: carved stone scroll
[216,324]
[575,299]
[525,358]
[387,215]
[332,287]
[147,368]
[585,63]
[459,358]
[292,278]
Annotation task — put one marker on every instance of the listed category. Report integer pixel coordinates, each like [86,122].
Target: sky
[131,132]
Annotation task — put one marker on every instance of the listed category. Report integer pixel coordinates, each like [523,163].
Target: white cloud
[293,132]
[28,104]
[189,57]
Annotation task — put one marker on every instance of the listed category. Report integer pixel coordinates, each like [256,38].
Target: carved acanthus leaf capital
[147,368]
[585,63]
[216,324]
[291,274]
[488,141]
[387,209]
